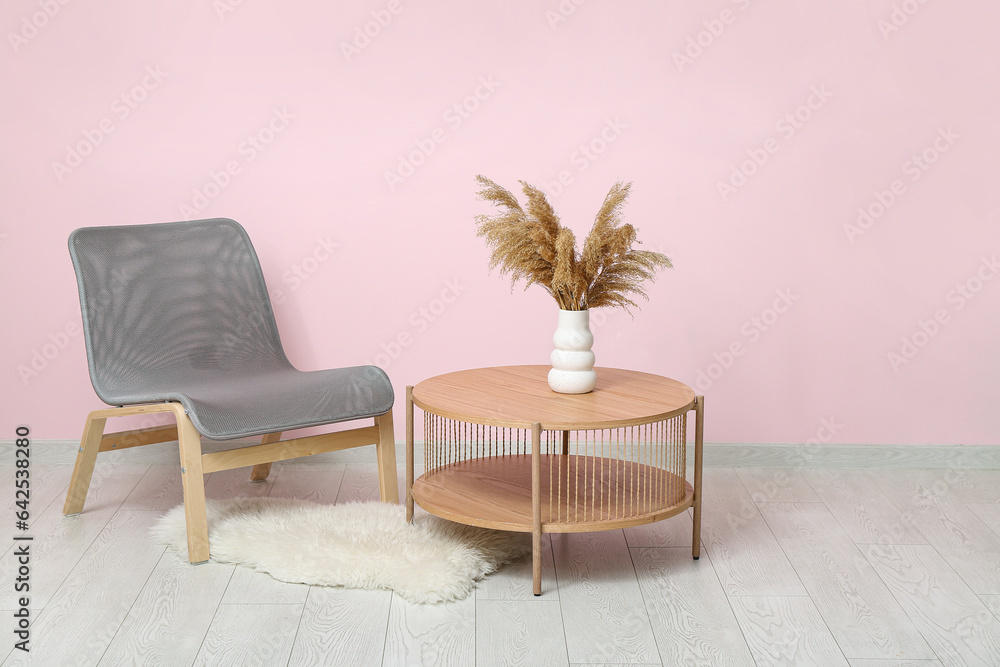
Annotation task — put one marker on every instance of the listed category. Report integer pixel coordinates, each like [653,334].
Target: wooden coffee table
[503,451]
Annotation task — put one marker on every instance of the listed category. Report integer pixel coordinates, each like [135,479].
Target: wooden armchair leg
[262,470]
[90,445]
[194,489]
[386,450]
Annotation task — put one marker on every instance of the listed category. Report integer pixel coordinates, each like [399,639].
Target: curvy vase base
[572,382]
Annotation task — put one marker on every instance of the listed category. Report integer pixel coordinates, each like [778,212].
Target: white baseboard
[729,455]
[724,455]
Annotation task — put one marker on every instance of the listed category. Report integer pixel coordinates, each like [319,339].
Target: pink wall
[884,105]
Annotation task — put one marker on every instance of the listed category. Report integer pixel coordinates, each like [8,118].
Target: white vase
[572,360]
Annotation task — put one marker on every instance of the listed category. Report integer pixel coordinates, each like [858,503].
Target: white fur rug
[356,545]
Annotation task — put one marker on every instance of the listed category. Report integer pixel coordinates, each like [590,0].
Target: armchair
[177,319]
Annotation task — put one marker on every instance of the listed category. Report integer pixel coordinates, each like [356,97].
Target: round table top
[519,396]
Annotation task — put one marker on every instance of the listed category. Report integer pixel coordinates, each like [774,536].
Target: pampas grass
[530,244]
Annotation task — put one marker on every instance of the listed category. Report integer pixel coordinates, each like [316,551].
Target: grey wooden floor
[886,568]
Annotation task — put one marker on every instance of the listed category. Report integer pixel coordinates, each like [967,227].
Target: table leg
[409,454]
[536,508]
[565,443]
[699,425]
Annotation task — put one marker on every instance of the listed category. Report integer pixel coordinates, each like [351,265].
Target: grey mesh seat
[177,318]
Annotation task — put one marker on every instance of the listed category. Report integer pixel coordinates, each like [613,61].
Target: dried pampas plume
[529,243]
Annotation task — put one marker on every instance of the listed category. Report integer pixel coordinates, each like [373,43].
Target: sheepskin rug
[355,545]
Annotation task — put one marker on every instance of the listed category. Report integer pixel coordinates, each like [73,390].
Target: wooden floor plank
[46,484]
[895,663]
[159,489]
[519,633]
[250,634]
[315,463]
[342,626]
[124,476]
[235,483]
[951,618]
[360,483]
[673,532]
[744,552]
[439,634]
[861,509]
[78,624]
[786,631]
[91,602]
[602,606]
[691,617]
[861,613]
[169,620]
[988,513]
[59,542]
[364,455]
[973,486]
[303,484]
[969,545]
[777,485]
[248,587]
[513,581]
[992,603]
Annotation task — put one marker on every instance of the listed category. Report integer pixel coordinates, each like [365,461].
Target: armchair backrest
[171,304]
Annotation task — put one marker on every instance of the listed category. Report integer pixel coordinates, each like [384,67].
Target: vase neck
[574,316]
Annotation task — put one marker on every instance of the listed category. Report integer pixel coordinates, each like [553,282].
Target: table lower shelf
[578,493]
